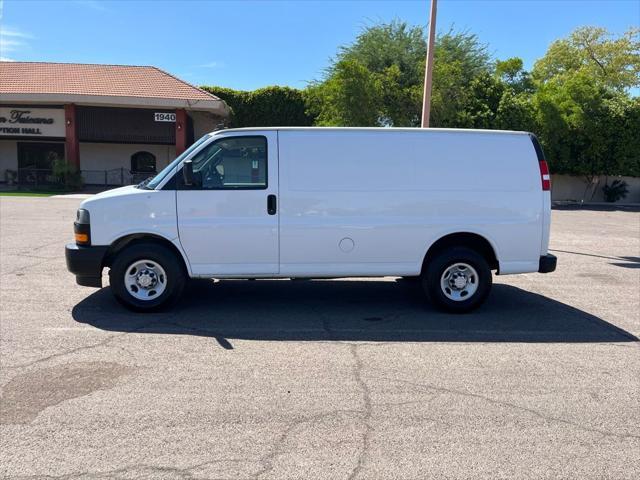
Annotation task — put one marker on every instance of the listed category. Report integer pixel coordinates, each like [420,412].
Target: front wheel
[146,277]
[457,280]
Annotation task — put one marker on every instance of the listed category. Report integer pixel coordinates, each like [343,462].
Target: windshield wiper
[143,184]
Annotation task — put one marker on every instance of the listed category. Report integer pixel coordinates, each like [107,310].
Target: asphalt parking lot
[337,379]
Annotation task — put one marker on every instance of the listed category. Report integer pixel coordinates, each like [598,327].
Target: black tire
[173,267]
[436,267]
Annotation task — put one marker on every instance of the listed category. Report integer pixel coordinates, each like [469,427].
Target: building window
[41,156]
[143,162]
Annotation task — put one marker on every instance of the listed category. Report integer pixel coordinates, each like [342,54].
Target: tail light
[542,163]
[544,175]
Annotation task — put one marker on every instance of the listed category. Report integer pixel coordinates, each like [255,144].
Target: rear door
[228,219]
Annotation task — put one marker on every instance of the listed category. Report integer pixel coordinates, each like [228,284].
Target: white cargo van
[444,206]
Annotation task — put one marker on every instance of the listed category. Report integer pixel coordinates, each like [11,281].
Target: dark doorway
[39,155]
[143,162]
[35,162]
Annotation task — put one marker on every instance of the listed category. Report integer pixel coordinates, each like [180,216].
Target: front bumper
[86,263]
[547,263]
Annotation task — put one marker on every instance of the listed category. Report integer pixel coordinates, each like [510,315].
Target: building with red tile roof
[103,119]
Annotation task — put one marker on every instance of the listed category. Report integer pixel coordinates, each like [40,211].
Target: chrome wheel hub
[459,281]
[145,280]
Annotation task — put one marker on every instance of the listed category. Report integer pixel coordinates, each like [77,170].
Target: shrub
[616,191]
[66,175]
[266,107]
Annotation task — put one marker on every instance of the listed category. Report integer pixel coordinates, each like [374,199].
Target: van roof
[374,129]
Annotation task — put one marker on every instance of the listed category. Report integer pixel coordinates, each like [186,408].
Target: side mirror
[187,172]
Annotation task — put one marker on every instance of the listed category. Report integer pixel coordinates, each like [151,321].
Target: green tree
[390,58]
[594,52]
[585,116]
[516,111]
[588,130]
[349,97]
[511,71]
[623,127]
[480,108]
[459,59]
[386,59]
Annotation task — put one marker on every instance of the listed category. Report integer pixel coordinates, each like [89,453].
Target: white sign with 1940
[164,117]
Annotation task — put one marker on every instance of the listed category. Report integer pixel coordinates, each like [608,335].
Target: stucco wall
[105,156]
[95,158]
[572,188]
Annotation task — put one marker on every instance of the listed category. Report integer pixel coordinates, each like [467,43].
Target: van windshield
[168,170]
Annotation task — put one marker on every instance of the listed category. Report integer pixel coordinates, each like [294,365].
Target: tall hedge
[266,107]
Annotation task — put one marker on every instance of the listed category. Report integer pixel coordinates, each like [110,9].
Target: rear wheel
[146,277]
[457,280]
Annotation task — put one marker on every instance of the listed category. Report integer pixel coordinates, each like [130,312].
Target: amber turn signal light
[82,238]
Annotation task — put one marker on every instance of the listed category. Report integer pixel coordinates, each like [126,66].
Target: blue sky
[246,45]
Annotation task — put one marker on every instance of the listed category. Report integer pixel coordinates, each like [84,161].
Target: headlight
[81,227]
[82,216]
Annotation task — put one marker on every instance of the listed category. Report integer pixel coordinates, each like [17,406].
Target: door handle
[272,205]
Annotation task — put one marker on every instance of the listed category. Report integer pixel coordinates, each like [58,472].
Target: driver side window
[232,163]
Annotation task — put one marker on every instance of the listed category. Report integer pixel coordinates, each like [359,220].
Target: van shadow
[349,310]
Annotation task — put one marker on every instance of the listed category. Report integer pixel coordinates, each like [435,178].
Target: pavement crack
[367,412]
[276,449]
[139,470]
[102,343]
[66,352]
[514,406]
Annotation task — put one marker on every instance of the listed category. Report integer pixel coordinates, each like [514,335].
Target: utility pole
[426,99]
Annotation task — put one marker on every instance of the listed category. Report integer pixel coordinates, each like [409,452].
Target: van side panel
[371,203]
